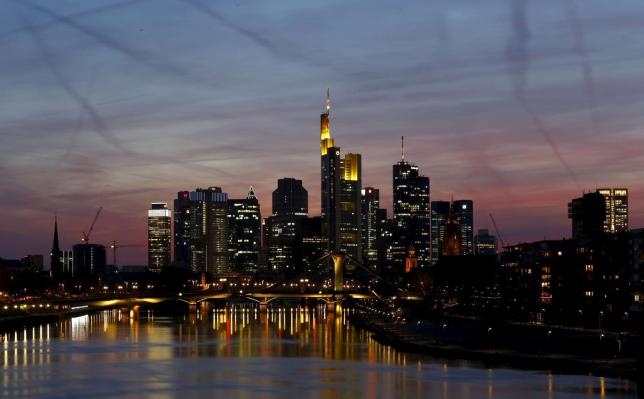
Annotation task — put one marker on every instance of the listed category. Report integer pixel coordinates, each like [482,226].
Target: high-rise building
[159,236]
[616,209]
[588,216]
[88,259]
[330,182]
[290,204]
[244,232]
[56,263]
[440,211]
[464,214]
[485,243]
[201,230]
[350,206]
[290,198]
[182,229]
[384,239]
[370,206]
[411,214]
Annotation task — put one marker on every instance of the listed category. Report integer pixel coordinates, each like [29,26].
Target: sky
[519,105]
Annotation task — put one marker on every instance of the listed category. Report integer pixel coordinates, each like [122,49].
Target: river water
[239,352]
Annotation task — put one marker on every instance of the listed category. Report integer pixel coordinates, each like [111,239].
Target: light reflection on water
[289,352]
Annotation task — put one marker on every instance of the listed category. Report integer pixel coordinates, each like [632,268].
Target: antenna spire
[402,147]
[328,101]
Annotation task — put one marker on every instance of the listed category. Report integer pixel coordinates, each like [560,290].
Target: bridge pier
[338,271]
[263,305]
[192,307]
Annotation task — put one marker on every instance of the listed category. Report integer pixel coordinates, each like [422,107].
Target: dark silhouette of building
[159,236]
[56,256]
[452,243]
[182,230]
[588,216]
[244,228]
[485,243]
[290,198]
[411,213]
[88,259]
[439,212]
[290,205]
[330,182]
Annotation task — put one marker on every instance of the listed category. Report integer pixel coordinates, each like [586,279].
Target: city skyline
[62,161]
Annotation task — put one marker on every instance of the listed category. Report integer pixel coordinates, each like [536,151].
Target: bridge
[263,296]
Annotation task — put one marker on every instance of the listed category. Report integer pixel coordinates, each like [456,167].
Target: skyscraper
[159,236]
[201,230]
[440,211]
[350,206]
[244,232]
[290,198]
[411,213]
[330,182]
[88,259]
[290,204]
[616,209]
[485,243]
[370,205]
[588,216]
[182,229]
[56,265]
[464,214]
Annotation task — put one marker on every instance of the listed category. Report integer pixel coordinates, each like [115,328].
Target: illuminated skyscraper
[330,182]
[290,205]
[464,214]
[350,206]
[201,230]
[411,214]
[616,209]
[159,236]
[244,233]
[370,206]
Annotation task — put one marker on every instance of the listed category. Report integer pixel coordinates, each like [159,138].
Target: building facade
[351,206]
[411,216]
[464,214]
[244,221]
[485,243]
[588,216]
[370,205]
[616,209]
[440,211]
[159,236]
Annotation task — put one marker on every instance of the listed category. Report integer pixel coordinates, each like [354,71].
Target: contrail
[51,22]
[586,69]
[519,63]
[140,56]
[272,48]
[97,121]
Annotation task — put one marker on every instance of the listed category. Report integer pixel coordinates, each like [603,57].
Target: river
[239,352]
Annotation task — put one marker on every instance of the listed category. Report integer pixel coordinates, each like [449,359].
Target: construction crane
[115,247]
[85,238]
[498,233]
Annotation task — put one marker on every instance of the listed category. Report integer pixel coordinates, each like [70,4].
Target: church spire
[56,264]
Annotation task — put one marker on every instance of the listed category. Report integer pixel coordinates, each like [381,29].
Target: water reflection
[238,351]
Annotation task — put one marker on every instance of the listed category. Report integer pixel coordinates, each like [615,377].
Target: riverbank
[406,337]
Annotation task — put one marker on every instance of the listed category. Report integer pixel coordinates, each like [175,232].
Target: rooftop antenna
[402,147]
[328,101]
